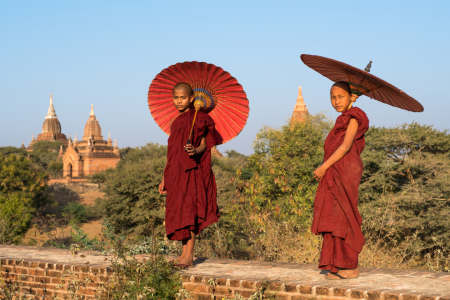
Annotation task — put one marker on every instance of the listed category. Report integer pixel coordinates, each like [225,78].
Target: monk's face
[340,99]
[182,100]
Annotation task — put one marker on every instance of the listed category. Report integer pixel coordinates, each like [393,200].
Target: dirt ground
[37,234]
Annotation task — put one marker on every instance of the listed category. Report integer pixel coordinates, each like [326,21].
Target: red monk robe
[336,214]
[191,203]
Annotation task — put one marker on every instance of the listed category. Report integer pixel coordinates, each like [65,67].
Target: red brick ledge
[40,268]
[200,288]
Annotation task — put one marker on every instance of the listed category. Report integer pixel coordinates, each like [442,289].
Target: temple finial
[367,69]
[51,110]
[92,110]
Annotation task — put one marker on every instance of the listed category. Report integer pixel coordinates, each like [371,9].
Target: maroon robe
[336,214]
[191,203]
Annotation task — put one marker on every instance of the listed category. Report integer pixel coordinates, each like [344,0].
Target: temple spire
[51,114]
[92,110]
[300,110]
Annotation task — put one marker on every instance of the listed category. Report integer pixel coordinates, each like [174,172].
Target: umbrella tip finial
[367,69]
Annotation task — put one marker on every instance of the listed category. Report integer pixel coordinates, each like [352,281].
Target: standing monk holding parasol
[199,105]
[336,215]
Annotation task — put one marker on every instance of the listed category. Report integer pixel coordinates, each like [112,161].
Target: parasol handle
[353,100]
[198,105]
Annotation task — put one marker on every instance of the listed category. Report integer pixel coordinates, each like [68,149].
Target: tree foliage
[22,192]
[19,177]
[411,162]
[283,162]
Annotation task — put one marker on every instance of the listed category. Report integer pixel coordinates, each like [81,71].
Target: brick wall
[39,280]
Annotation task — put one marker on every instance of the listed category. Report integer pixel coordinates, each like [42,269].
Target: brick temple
[51,129]
[300,110]
[91,154]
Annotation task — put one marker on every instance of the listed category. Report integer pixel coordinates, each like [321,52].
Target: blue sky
[108,52]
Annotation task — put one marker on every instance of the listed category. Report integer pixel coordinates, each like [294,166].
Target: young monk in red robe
[188,180]
[336,215]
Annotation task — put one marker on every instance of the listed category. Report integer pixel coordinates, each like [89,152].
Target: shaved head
[343,85]
[183,86]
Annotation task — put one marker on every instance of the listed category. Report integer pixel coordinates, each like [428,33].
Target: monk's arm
[343,149]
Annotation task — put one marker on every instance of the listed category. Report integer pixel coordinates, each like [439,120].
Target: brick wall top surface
[285,276]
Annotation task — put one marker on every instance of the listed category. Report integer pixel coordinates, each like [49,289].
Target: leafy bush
[282,185]
[75,212]
[14,219]
[412,163]
[19,177]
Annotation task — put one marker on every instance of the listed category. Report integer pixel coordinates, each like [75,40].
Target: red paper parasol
[362,82]
[223,97]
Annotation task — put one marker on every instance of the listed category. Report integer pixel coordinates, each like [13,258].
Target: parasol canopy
[223,97]
[362,82]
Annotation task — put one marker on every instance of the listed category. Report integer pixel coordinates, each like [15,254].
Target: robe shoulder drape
[341,182]
[191,203]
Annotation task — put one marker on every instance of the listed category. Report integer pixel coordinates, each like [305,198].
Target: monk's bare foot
[189,261]
[349,273]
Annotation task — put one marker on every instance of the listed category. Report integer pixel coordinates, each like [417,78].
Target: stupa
[90,155]
[300,110]
[51,129]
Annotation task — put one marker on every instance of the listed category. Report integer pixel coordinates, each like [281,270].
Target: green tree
[412,163]
[131,189]
[19,177]
[14,219]
[283,163]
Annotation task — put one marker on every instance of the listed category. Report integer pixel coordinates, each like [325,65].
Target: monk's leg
[183,253]
[326,261]
[345,258]
[188,258]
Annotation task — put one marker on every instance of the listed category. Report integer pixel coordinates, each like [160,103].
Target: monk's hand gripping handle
[187,143]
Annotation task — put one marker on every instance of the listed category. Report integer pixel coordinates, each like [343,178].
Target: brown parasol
[362,82]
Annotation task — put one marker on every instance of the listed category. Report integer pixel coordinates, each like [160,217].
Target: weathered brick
[373,295]
[246,284]
[223,290]
[194,287]
[428,297]
[59,267]
[391,296]
[244,293]
[42,279]
[201,296]
[323,291]
[53,273]
[413,297]
[50,266]
[301,297]
[42,265]
[357,294]
[185,278]
[290,288]
[340,292]
[234,283]
[275,286]
[36,272]
[26,264]
[278,296]
[197,279]
[306,289]
[34,264]
[221,281]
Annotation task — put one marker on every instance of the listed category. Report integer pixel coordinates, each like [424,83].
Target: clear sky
[108,52]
